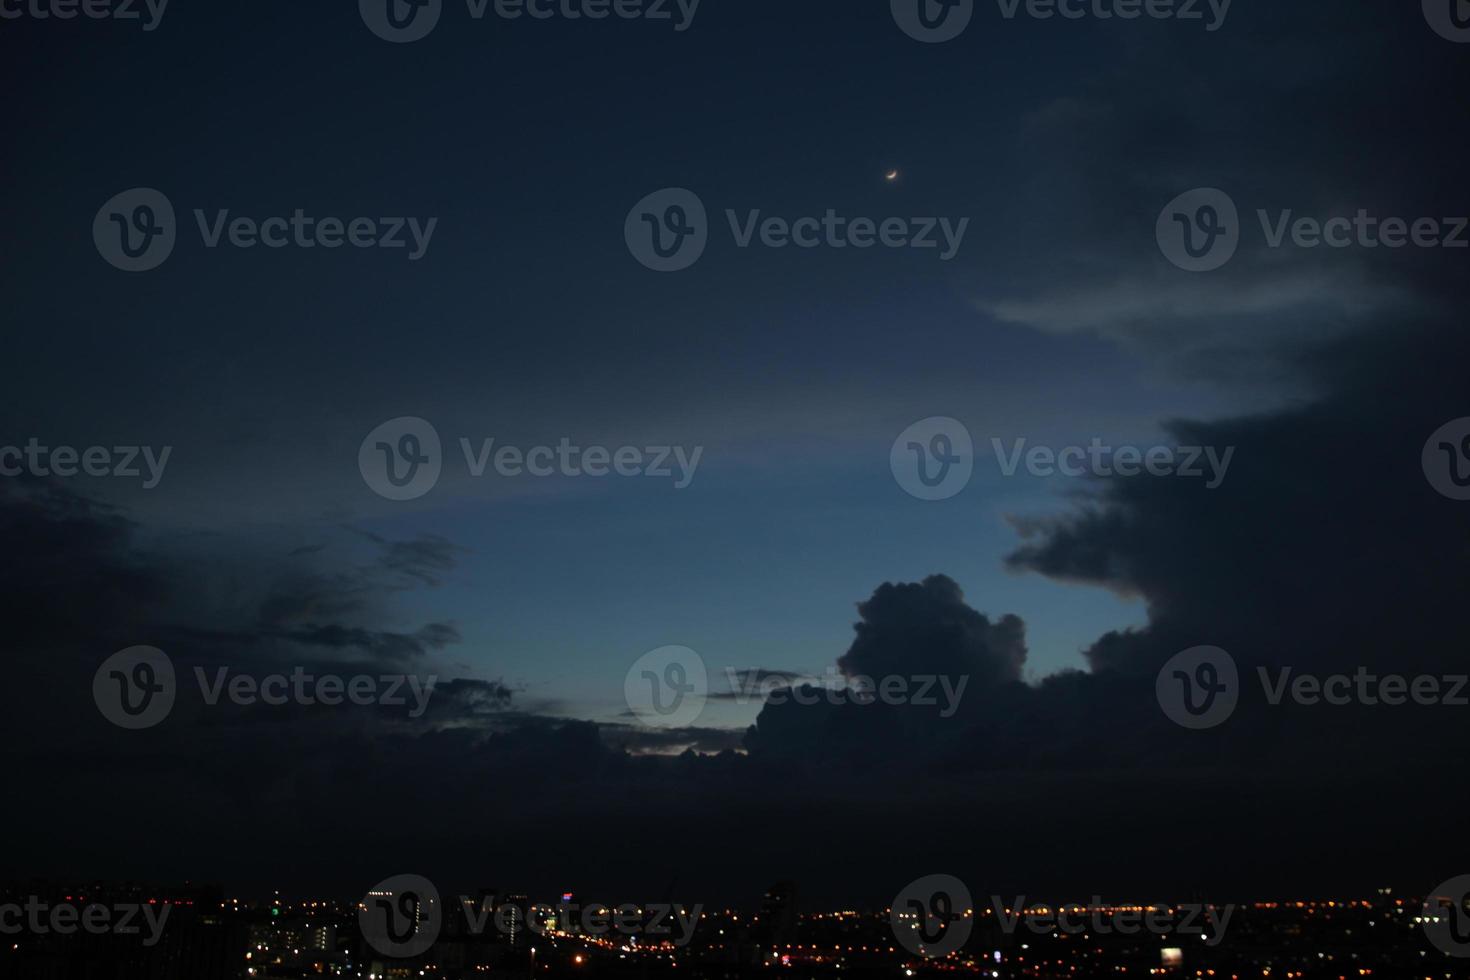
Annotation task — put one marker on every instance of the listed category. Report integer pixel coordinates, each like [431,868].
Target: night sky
[527,320]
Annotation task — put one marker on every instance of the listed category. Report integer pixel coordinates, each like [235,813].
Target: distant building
[512,920]
[779,915]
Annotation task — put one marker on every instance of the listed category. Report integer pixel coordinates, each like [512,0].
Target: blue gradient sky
[528,321]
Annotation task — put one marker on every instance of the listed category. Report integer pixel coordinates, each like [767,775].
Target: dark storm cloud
[1325,545]
[1325,551]
[325,618]
[469,697]
[1279,565]
[927,628]
[954,659]
[80,584]
[1335,139]
[68,568]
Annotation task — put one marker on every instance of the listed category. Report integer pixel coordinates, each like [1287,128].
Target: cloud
[1324,549]
[465,700]
[1325,543]
[425,558]
[1102,160]
[1126,306]
[69,569]
[909,629]
[751,682]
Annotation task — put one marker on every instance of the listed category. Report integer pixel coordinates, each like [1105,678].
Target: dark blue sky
[528,320]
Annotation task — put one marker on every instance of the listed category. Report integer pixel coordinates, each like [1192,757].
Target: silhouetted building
[512,920]
[779,915]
